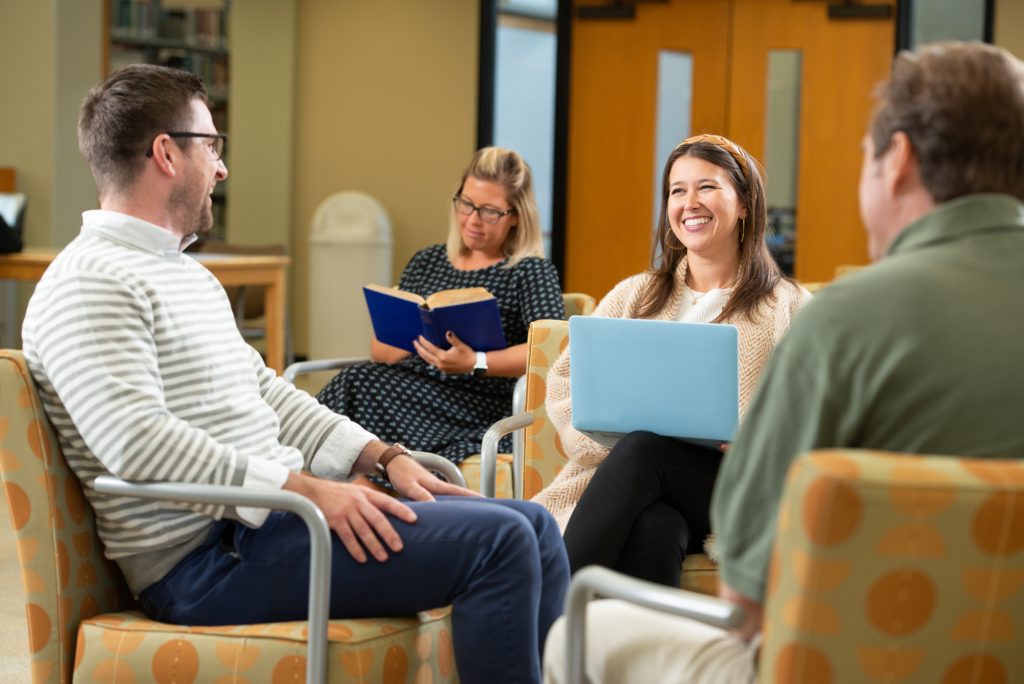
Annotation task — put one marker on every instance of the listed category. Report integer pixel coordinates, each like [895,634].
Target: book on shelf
[200,25]
[399,317]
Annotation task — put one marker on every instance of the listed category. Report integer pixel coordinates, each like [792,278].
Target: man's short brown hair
[121,116]
[962,106]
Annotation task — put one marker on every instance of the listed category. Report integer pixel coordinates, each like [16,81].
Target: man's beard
[191,213]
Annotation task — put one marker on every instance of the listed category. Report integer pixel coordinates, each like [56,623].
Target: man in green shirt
[920,353]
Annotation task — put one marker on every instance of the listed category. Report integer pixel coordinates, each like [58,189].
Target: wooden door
[612,129]
[842,60]
[612,119]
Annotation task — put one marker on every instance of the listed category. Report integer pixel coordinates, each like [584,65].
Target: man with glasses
[144,375]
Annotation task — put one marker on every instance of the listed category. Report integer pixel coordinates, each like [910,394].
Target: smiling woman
[643,505]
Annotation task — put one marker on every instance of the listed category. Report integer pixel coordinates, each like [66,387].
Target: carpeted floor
[14,664]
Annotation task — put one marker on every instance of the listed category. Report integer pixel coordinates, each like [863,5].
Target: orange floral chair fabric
[895,568]
[75,596]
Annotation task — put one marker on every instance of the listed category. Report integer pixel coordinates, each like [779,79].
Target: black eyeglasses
[218,141]
[487,214]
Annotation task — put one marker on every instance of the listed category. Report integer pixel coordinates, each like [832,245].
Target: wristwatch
[389,454]
[480,367]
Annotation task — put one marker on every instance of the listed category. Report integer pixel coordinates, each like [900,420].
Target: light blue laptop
[675,379]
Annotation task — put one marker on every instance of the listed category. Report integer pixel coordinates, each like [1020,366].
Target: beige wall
[79,30]
[51,56]
[261,121]
[51,53]
[27,51]
[385,103]
[1009,26]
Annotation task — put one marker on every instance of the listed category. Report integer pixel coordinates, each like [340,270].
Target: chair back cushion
[65,576]
[578,304]
[891,567]
[543,450]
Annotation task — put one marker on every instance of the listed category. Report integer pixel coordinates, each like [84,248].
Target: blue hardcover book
[399,317]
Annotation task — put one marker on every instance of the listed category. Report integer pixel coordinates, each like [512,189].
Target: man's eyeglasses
[218,141]
[487,215]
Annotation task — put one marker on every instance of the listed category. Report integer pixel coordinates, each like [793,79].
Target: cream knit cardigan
[756,341]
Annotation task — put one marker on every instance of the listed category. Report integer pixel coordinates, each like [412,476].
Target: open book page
[442,298]
[395,292]
[461,296]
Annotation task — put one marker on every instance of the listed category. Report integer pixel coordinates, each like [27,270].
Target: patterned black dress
[424,408]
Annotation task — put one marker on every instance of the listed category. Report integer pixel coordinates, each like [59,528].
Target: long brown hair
[759,274]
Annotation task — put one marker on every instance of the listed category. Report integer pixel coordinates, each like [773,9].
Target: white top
[144,376]
[707,307]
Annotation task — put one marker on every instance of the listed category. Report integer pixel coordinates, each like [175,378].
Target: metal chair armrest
[303,367]
[595,581]
[489,454]
[518,440]
[319,535]
[440,465]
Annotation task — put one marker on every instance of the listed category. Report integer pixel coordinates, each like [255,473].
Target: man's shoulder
[837,314]
[86,255]
[864,290]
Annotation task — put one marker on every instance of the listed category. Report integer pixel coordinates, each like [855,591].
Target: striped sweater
[144,375]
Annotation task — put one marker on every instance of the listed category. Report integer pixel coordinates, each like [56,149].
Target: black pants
[645,509]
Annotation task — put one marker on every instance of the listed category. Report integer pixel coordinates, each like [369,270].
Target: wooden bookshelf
[185,34]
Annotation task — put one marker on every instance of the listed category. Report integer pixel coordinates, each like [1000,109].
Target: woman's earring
[670,245]
[743,229]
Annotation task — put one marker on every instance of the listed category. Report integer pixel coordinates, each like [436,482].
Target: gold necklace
[694,296]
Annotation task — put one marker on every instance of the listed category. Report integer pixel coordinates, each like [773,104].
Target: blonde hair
[508,169]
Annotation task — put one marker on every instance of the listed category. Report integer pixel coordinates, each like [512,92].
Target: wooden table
[229,269]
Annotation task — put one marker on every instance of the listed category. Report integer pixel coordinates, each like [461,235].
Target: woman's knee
[660,526]
[636,453]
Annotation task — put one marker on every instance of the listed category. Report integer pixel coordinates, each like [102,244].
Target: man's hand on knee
[356,514]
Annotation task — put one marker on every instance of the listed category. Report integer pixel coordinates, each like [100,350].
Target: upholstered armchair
[886,568]
[84,626]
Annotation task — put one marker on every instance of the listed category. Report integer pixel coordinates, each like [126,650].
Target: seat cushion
[128,647]
[700,574]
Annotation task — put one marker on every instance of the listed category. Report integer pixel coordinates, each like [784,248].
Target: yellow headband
[729,146]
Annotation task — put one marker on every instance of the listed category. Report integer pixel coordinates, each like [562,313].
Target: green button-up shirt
[921,353]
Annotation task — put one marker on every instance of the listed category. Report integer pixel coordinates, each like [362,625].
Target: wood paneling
[612,129]
[612,122]
[842,61]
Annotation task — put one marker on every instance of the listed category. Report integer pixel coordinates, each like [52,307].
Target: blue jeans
[501,564]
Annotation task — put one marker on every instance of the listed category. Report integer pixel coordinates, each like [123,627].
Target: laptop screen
[672,378]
